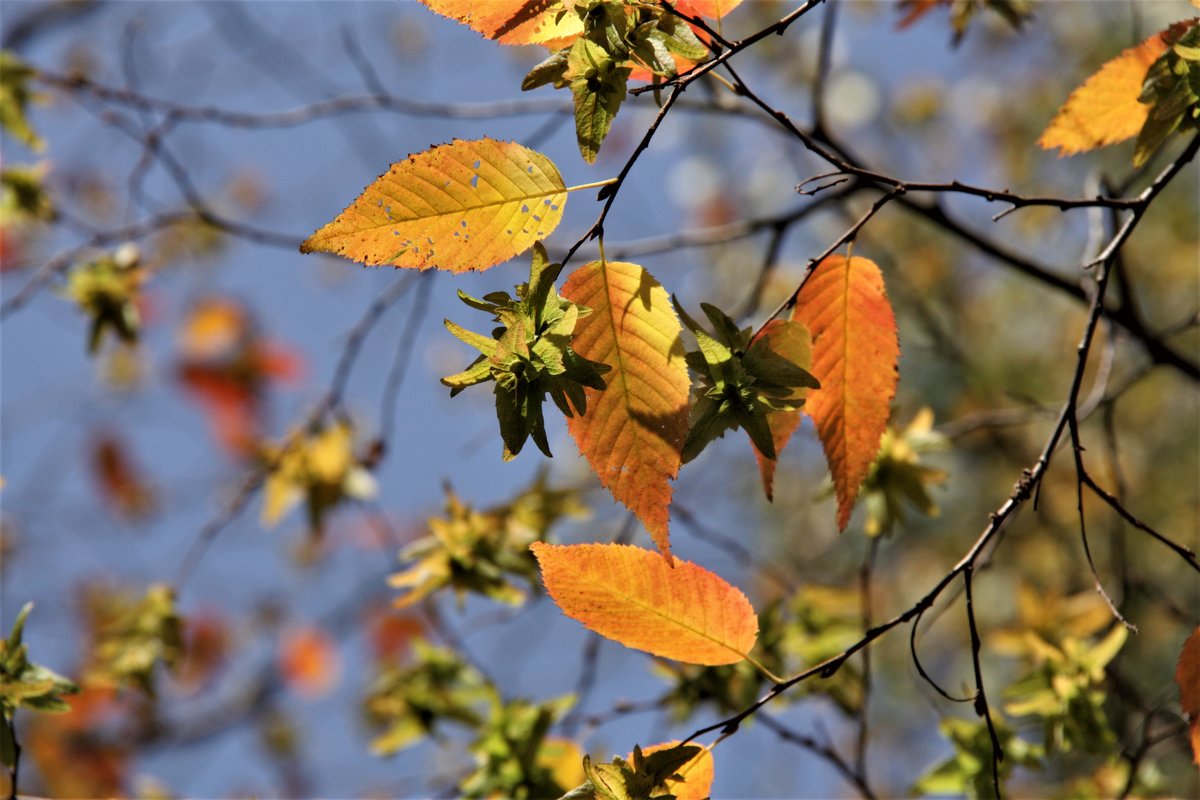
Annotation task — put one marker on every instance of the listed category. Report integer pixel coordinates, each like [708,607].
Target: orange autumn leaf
[308,661]
[512,21]
[121,482]
[675,609]
[696,776]
[1187,675]
[633,431]
[855,354]
[791,340]
[1105,109]
[98,766]
[467,205]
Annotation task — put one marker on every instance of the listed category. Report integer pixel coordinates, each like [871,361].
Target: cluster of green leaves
[23,195]
[514,757]
[742,380]
[969,770]
[15,97]
[1064,688]
[407,701]
[529,356]
[106,290]
[640,778]
[1172,90]
[24,683]
[479,552]
[617,36]
[897,478]
[132,636]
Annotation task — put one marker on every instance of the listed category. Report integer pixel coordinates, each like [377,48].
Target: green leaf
[598,84]
[680,39]
[8,746]
[552,70]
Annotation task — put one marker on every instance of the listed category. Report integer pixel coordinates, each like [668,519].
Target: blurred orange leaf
[696,775]
[791,340]
[511,21]
[390,633]
[97,767]
[674,609]
[308,661]
[206,645]
[633,431]
[226,366]
[467,205]
[1187,675]
[120,480]
[1105,109]
[855,354]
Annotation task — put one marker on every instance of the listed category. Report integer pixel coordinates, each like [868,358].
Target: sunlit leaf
[694,779]
[855,354]
[676,610]
[1105,110]
[467,205]
[512,21]
[791,340]
[632,431]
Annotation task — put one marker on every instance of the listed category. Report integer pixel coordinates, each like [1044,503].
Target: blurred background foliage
[216,658]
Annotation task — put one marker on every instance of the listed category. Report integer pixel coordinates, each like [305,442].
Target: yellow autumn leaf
[632,434]
[1105,109]
[675,609]
[467,205]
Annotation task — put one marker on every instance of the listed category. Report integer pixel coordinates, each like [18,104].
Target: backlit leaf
[695,776]
[855,353]
[633,431]
[1105,109]
[512,21]
[467,205]
[1187,675]
[673,609]
[791,340]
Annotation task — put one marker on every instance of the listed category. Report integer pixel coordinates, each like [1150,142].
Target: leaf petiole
[771,676]
[593,185]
